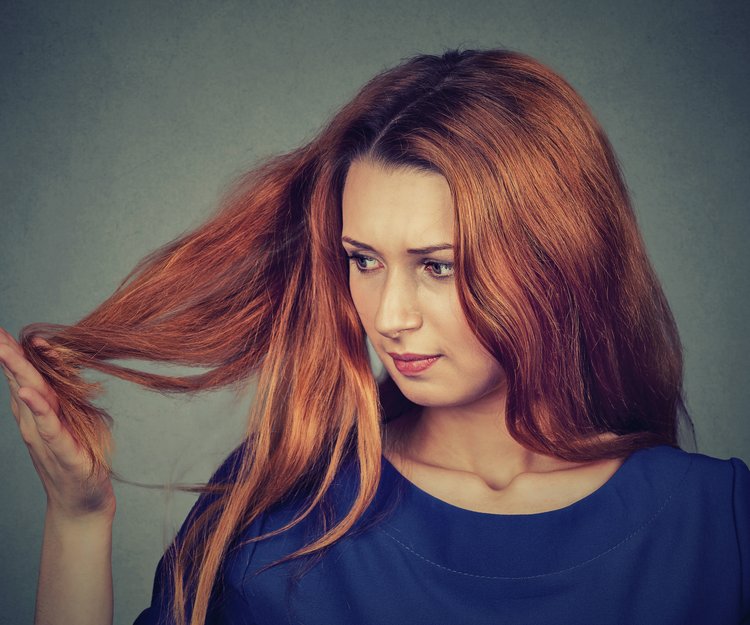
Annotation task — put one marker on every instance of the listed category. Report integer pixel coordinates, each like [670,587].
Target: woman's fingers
[20,372]
[32,400]
[12,385]
[60,461]
[21,369]
[46,422]
[49,430]
[34,412]
[7,338]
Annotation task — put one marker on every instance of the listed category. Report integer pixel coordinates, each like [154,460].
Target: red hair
[551,271]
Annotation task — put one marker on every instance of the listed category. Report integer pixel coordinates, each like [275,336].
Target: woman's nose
[398,310]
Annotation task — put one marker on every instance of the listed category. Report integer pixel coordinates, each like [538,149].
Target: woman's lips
[411,367]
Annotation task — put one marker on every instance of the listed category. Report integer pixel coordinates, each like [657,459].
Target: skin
[75,569]
[455,445]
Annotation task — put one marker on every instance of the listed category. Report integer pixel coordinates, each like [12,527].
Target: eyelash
[356,257]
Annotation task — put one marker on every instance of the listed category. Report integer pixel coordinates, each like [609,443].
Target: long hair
[551,272]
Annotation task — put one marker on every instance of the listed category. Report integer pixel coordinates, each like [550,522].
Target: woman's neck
[466,440]
[470,465]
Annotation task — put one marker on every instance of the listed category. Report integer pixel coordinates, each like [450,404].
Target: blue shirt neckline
[455,539]
[433,501]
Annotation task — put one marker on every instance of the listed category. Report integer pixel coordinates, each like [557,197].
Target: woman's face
[407,301]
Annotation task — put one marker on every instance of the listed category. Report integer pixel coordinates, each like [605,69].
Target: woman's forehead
[416,203]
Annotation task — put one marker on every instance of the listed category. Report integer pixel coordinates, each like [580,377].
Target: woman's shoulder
[698,489]
[700,470]
[709,509]
[718,479]
[711,477]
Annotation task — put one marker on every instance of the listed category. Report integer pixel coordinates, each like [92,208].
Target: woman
[517,462]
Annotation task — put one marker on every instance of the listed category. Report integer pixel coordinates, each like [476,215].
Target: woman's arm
[75,574]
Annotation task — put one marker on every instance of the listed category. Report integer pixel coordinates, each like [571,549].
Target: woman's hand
[59,461]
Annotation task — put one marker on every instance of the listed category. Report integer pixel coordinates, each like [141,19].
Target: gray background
[121,124]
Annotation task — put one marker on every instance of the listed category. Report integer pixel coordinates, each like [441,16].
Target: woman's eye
[437,269]
[357,258]
[445,272]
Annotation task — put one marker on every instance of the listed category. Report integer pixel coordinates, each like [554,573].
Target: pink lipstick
[413,364]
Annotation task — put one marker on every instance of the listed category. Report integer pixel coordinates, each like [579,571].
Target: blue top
[666,540]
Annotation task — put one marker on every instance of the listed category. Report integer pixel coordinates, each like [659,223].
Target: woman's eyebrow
[413,250]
